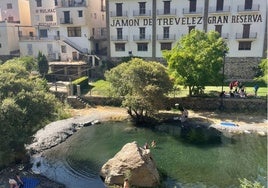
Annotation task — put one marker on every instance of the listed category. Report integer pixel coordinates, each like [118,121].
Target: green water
[184,162]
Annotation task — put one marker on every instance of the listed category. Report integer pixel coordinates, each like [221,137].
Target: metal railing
[166,37]
[119,38]
[118,14]
[141,37]
[66,21]
[255,7]
[188,11]
[252,35]
[163,12]
[68,3]
[224,9]
[139,13]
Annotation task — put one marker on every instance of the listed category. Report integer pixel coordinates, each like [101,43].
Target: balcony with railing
[118,14]
[166,37]
[197,11]
[119,38]
[38,38]
[246,36]
[72,3]
[66,21]
[141,38]
[166,12]
[214,10]
[142,13]
[253,8]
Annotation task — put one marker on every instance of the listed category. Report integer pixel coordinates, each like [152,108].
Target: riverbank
[55,133]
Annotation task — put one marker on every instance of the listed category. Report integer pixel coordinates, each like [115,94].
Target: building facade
[145,28]
[13,15]
[65,30]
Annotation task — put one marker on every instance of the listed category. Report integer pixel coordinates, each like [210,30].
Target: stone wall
[241,69]
[193,103]
[236,68]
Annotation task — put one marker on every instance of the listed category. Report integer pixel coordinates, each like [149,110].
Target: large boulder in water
[132,161]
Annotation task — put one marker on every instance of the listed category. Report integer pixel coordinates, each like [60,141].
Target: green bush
[82,81]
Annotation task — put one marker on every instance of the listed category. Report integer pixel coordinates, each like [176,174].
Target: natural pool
[185,162]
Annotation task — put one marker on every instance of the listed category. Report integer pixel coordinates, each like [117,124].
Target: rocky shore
[57,132]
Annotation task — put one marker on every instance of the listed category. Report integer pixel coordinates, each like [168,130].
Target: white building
[14,17]
[66,29]
[145,28]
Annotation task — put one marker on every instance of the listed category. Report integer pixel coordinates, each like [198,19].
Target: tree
[263,71]
[142,85]
[42,64]
[25,106]
[196,60]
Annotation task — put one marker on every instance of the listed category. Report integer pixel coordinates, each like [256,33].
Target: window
[142,47]
[49,18]
[218,28]
[63,49]
[142,32]
[10,19]
[31,34]
[246,30]
[67,18]
[166,7]
[93,31]
[56,2]
[119,9]
[39,3]
[36,17]
[120,47]
[192,6]
[219,6]
[248,4]
[43,33]
[166,46]
[142,6]
[30,49]
[166,32]
[190,28]
[74,31]
[9,6]
[0,45]
[244,45]
[80,13]
[119,33]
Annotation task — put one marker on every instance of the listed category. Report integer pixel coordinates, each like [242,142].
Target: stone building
[145,28]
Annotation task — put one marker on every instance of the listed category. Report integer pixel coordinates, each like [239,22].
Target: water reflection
[185,156]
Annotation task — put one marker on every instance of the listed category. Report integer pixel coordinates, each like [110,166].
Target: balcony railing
[139,13]
[34,38]
[164,12]
[252,35]
[224,9]
[66,21]
[141,37]
[119,38]
[68,3]
[255,7]
[166,37]
[118,14]
[188,11]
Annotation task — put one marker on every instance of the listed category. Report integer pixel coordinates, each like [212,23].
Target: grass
[102,88]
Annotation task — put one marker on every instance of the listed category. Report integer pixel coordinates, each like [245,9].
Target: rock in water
[135,161]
